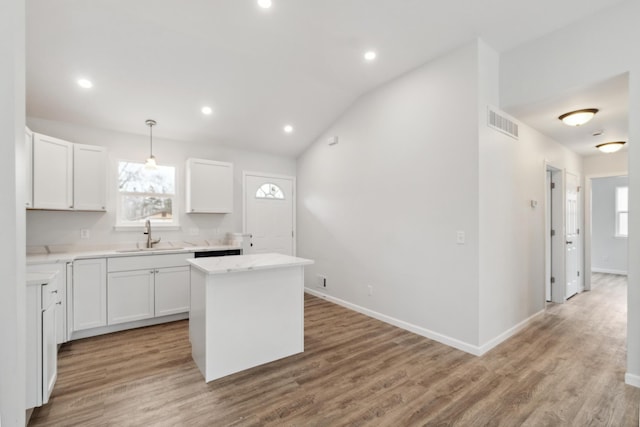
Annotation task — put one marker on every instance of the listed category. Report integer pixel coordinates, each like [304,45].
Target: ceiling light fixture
[85,84]
[610,147]
[151,161]
[578,117]
[288,129]
[207,110]
[370,55]
[265,4]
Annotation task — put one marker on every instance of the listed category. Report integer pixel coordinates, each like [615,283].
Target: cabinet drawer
[140,262]
[49,294]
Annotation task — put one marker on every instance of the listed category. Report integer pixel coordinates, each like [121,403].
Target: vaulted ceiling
[299,62]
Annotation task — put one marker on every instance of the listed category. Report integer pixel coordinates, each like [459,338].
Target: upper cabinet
[52,173]
[209,186]
[68,176]
[89,177]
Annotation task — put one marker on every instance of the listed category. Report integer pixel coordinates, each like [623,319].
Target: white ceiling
[299,62]
[610,97]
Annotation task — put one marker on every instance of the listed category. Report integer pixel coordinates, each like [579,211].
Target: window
[622,211]
[269,191]
[146,194]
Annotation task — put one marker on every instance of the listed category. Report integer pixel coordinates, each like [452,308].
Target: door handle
[569,242]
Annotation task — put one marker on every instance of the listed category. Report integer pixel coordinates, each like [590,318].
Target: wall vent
[502,124]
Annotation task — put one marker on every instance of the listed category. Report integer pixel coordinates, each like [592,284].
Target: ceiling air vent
[502,124]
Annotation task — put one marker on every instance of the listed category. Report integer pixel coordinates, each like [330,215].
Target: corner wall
[382,207]
[12,180]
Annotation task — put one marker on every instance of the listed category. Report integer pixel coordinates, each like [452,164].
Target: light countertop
[40,278]
[62,257]
[237,263]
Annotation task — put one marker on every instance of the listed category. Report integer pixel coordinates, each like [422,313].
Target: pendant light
[151,161]
[610,147]
[578,117]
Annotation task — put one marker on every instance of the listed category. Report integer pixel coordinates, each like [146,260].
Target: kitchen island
[246,310]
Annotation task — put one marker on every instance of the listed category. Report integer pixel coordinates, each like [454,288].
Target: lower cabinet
[89,293]
[130,296]
[172,290]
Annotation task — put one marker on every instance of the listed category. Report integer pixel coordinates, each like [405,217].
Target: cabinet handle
[71,207]
[54,291]
[59,303]
[151,272]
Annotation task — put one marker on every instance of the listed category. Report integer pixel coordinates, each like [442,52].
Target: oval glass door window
[269,191]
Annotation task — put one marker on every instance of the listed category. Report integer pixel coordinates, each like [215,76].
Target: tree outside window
[146,194]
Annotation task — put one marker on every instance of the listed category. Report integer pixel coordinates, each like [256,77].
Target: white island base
[246,310]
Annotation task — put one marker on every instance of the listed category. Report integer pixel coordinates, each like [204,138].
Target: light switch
[85,233]
[460,237]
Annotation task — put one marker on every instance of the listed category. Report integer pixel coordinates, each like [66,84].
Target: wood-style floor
[566,369]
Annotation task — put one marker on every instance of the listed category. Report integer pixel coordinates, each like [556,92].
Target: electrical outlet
[370,290]
[194,231]
[322,281]
[460,237]
[85,233]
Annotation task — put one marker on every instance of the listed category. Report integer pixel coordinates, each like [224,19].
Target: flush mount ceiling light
[265,4]
[151,161]
[578,117]
[370,55]
[85,84]
[288,129]
[610,147]
[207,110]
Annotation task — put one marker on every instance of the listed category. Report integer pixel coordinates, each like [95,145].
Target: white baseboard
[86,333]
[632,380]
[508,333]
[443,339]
[608,271]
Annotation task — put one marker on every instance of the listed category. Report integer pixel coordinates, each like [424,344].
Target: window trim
[617,233]
[176,202]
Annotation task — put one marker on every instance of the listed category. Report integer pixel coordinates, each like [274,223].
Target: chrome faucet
[147,231]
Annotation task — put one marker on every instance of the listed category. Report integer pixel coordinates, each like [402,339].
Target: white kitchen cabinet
[61,296]
[41,366]
[89,293]
[130,296]
[52,173]
[28,163]
[89,177]
[172,290]
[209,186]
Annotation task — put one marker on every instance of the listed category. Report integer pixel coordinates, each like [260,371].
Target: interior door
[269,213]
[571,234]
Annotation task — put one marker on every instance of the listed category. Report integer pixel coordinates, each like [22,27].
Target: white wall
[63,228]
[608,252]
[606,164]
[382,207]
[12,258]
[563,60]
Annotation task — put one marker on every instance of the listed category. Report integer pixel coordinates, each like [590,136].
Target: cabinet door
[28,170]
[49,352]
[89,294]
[52,173]
[172,290]
[209,186]
[89,177]
[130,296]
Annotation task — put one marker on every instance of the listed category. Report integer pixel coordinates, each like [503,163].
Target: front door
[571,235]
[269,203]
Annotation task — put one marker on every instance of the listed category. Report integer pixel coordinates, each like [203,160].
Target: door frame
[293,201]
[588,183]
[555,259]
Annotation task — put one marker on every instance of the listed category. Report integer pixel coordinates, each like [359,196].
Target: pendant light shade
[578,117]
[151,161]
[610,147]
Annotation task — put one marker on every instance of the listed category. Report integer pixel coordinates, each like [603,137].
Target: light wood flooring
[566,369]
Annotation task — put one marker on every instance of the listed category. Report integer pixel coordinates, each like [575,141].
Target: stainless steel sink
[123,251]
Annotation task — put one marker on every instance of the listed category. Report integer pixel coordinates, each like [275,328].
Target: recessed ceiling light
[288,129]
[265,4]
[85,84]
[207,110]
[370,55]
[578,117]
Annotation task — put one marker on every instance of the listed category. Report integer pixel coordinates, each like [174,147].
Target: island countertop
[237,263]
